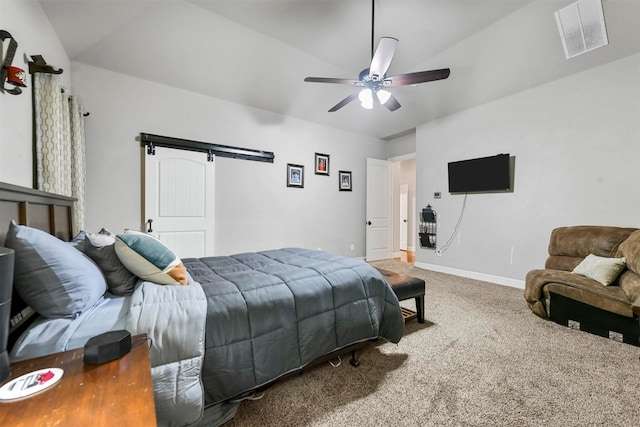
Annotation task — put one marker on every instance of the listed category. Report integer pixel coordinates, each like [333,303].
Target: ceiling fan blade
[382,58]
[331,80]
[344,102]
[419,77]
[392,104]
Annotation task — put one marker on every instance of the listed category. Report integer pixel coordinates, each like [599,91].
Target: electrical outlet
[573,324]
[616,336]
[437,195]
[353,247]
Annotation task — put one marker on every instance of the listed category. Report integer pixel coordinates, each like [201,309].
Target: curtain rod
[151,141]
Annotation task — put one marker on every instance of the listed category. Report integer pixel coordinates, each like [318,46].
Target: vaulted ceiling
[257,52]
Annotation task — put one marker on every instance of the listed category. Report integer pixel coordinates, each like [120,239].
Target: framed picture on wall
[322,164]
[344,180]
[295,175]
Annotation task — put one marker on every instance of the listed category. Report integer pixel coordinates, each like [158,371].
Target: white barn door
[179,200]
[378,222]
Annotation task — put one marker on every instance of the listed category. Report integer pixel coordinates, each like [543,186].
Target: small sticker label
[31,383]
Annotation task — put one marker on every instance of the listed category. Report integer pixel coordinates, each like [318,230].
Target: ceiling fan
[372,82]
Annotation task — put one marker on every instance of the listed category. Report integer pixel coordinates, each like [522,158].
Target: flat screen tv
[485,174]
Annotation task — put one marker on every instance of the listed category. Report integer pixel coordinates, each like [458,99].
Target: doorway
[404,210]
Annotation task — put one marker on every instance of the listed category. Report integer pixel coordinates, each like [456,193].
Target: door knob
[368,222]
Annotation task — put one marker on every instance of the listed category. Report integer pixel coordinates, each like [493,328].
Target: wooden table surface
[117,393]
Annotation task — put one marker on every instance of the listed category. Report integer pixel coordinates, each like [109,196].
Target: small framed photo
[322,164]
[295,175]
[344,182]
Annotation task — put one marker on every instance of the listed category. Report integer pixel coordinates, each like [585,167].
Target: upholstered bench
[406,287]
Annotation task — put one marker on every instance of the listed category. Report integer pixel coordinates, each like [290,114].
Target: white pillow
[602,269]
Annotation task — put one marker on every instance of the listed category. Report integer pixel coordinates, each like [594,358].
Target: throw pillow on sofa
[602,269]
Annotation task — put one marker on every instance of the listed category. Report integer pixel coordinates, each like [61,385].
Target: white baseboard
[472,275]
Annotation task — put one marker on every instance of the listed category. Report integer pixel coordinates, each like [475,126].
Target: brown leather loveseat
[582,301]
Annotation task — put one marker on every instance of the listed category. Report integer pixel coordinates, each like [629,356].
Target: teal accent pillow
[51,276]
[150,259]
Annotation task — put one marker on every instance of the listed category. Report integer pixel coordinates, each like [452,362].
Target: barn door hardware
[212,150]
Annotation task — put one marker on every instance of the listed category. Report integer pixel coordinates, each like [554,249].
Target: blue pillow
[51,276]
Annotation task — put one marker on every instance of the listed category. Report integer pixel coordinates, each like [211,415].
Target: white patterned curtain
[59,143]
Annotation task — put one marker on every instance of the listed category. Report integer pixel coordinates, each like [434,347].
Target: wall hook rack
[8,73]
[428,228]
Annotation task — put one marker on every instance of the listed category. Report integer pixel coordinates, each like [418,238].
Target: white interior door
[179,200]
[404,212]
[378,222]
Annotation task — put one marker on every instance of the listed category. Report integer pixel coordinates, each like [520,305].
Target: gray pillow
[51,276]
[78,241]
[101,249]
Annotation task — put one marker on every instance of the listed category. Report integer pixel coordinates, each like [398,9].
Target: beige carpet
[481,359]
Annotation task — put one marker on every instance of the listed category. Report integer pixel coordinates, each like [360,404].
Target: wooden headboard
[38,209]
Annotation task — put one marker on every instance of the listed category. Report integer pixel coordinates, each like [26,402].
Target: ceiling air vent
[581,26]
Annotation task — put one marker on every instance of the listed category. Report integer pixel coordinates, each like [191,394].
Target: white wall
[254,208]
[28,24]
[576,143]
[401,146]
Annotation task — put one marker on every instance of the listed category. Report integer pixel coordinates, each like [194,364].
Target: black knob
[368,222]
[149,230]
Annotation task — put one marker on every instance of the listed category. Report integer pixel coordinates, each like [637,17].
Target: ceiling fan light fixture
[373,79]
[366,98]
[383,96]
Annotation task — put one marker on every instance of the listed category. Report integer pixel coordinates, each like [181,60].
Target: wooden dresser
[117,393]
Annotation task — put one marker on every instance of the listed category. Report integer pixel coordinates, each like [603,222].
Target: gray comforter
[272,312]
[248,319]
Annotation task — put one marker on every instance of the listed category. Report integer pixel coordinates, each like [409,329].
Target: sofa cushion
[629,282]
[587,291]
[601,269]
[630,249]
[582,240]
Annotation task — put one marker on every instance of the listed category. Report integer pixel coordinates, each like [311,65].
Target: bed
[235,324]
